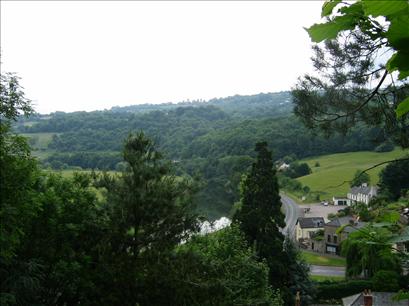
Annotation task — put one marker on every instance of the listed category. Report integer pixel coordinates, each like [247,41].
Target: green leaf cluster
[392,32]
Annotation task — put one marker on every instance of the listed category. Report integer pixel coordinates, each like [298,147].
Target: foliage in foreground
[69,248]
[355,81]
[227,271]
[328,290]
[60,245]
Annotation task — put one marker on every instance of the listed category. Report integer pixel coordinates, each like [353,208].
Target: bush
[404,280]
[363,212]
[289,158]
[289,184]
[386,281]
[385,147]
[338,290]
[344,212]
[317,164]
[297,170]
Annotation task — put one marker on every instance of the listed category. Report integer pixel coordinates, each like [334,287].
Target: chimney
[298,299]
[368,298]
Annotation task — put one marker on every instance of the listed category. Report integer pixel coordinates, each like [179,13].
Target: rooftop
[312,222]
[337,222]
[364,190]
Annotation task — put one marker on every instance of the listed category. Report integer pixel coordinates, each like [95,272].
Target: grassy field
[322,260]
[336,168]
[321,278]
[39,141]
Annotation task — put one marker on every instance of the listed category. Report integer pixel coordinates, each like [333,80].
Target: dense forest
[212,141]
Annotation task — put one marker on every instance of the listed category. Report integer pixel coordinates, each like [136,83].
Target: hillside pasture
[334,169]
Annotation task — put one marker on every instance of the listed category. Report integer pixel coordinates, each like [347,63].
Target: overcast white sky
[74,55]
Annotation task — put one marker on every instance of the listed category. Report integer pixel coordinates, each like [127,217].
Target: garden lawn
[322,260]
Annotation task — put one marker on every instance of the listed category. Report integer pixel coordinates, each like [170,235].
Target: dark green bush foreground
[329,290]
[383,281]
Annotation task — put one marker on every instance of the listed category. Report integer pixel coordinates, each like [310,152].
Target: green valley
[212,141]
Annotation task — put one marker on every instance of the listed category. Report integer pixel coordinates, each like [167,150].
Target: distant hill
[257,106]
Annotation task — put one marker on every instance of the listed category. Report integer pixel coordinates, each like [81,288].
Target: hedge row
[339,290]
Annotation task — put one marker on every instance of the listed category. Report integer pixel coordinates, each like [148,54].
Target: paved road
[292,213]
[326,270]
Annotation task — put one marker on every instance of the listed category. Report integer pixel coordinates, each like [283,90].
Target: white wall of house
[361,197]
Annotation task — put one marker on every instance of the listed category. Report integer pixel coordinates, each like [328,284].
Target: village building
[341,201]
[362,194]
[283,167]
[306,226]
[306,230]
[333,239]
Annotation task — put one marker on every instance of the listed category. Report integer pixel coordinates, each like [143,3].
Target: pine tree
[260,217]
[150,215]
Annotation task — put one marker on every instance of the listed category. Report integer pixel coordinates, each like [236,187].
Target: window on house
[331,249]
[329,238]
[335,239]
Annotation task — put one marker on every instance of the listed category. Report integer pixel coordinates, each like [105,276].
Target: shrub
[337,290]
[306,189]
[385,147]
[386,281]
[297,170]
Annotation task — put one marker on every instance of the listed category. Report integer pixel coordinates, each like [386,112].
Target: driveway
[327,270]
[319,210]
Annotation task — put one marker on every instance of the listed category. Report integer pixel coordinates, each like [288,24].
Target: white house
[362,194]
[283,167]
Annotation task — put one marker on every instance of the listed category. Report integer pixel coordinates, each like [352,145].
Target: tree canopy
[360,178]
[362,69]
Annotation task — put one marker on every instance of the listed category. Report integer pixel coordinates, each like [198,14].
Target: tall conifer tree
[260,217]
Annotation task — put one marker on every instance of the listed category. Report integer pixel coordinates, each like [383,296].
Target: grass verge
[322,260]
[322,278]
